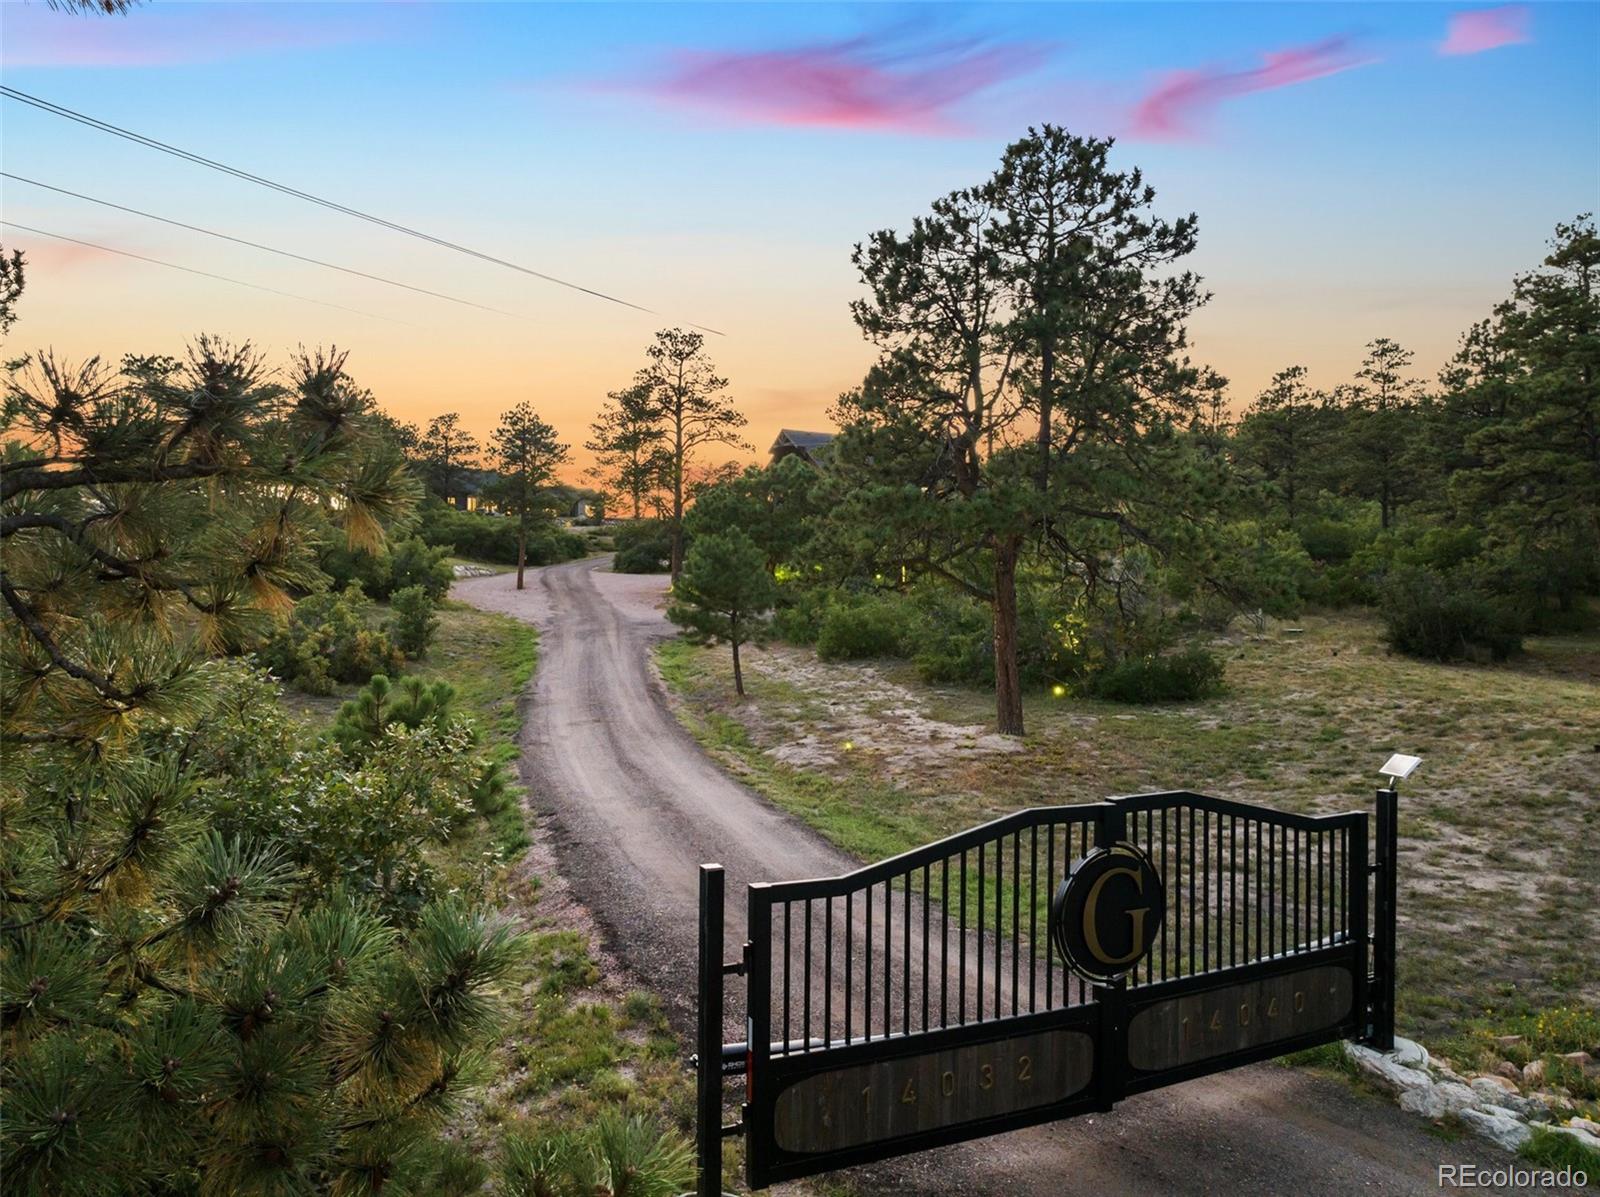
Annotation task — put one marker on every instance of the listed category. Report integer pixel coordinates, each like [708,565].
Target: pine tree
[527,454]
[629,444]
[180,1010]
[446,451]
[724,593]
[688,397]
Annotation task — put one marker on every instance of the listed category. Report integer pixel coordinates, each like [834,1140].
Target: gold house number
[1022,1069]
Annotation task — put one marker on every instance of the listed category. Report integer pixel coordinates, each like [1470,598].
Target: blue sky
[715,163]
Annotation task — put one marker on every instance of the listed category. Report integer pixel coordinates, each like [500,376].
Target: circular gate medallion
[1105,915]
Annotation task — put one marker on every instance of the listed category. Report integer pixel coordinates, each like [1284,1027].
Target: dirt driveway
[634,807]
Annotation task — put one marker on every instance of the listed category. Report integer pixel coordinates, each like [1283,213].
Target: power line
[202,273]
[200,160]
[194,228]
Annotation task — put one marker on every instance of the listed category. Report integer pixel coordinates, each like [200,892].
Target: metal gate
[1043,965]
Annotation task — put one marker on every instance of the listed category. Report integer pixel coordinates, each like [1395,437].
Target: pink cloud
[36,36]
[1475,30]
[1180,102]
[856,84]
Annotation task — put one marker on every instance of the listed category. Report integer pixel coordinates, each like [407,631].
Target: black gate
[928,998]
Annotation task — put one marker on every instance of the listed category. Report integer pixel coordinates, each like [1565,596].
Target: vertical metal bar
[1233,889]
[888,957]
[1205,892]
[1296,943]
[866,970]
[708,1036]
[1050,896]
[1384,931]
[944,942]
[827,974]
[1259,897]
[758,993]
[1191,892]
[979,943]
[849,951]
[805,1033]
[1165,943]
[1016,913]
[905,965]
[1355,888]
[999,918]
[1033,916]
[961,933]
[1150,960]
[927,899]
[786,984]
[1244,882]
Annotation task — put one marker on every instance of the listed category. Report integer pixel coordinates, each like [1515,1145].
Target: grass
[1547,1149]
[1500,883]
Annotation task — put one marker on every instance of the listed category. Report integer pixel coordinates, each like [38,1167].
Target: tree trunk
[522,546]
[1047,382]
[676,562]
[733,635]
[1007,678]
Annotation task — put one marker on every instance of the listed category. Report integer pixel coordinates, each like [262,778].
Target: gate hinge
[733,968]
[730,1131]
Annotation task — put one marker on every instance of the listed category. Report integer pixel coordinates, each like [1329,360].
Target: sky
[1358,171]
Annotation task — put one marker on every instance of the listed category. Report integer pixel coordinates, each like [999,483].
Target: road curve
[634,807]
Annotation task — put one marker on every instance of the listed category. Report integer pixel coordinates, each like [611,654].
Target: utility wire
[194,228]
[211,163]
[202,273]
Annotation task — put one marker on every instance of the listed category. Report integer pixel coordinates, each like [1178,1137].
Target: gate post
[708,1036]
[1383,939]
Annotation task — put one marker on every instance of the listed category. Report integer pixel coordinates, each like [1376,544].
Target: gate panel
[919,1001]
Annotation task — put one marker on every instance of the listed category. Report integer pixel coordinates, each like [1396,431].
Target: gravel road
[634,807]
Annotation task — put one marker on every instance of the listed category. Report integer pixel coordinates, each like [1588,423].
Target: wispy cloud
[1473,31]
[869,83]
[36,36]
[1178,106]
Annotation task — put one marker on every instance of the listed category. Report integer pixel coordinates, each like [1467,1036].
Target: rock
[1582,1061]
[1409,1053]
[1396,1078]
[1502,1129]
[1438,1100]
[1507,1040]
[1533,1074]
[1587,1125]
[1592,1142]
[1550,1099]
[1493,1085]
[1508,1070]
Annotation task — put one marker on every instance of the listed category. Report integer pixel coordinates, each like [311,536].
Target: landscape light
[1058,690]
[1399,767]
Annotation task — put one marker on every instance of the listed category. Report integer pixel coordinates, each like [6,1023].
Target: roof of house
[796,439]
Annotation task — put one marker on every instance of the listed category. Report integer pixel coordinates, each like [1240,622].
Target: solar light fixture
[1399,767]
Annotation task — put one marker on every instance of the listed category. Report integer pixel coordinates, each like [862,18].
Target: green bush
[494,538]
[643,547]
[409,561]
[955,640]
[797,618]
[1179,677]
[628,1156]
[363,720]
[1431,615]
[327,639]
[875,626]
[414,621]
